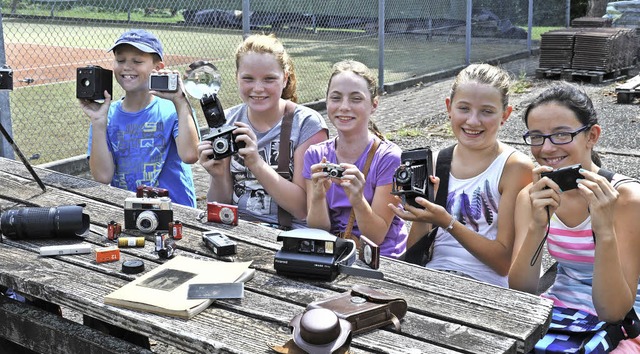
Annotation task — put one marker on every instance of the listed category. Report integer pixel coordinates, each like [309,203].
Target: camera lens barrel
[34,223]
[147,221]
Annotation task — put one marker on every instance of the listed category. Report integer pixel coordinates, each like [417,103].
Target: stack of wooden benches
[595,55]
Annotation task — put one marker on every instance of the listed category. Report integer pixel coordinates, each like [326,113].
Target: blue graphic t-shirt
[144,150]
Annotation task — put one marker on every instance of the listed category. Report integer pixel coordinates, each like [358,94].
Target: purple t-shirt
[383,166]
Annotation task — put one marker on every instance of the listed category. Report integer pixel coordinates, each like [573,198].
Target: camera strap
[365,170]
[284,217]
[21,156]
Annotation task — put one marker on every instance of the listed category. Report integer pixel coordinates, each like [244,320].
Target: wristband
[450,227]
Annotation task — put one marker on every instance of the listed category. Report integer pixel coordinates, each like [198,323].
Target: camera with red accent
[143,191]
[222,213]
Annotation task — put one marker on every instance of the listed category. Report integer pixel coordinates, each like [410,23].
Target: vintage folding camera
[6,78]
[411,179]
[147,214]
[334,170]
[92,81]
[222,213]
[219,243]
[163,82]
[221,135]
[565,177]
[312,253]
[143,191]
[369,252]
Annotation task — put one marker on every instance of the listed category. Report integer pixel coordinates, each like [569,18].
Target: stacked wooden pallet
[588,54]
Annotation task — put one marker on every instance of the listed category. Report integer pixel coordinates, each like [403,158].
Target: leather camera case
[365,308]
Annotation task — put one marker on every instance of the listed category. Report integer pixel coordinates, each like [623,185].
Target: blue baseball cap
[141,39]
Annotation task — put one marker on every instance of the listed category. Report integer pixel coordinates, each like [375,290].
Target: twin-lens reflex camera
[92,81]
[147,214]
[411,179]
[203,83]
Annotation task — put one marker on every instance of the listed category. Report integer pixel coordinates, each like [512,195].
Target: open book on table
[164,289]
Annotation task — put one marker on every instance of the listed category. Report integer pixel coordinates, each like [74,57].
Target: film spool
[133,266]
[131,241]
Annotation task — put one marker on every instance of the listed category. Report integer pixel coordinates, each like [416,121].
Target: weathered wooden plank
[515,315]
[46,333]
[222,330]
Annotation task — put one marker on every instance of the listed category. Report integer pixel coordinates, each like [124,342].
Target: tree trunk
[597,8]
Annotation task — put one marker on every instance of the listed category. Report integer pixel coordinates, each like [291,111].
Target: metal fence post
[568,13]
[381,44]
[5,111]
[246,20]
[529,25]
[467,57]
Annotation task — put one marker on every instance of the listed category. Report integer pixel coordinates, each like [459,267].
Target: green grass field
[48,122]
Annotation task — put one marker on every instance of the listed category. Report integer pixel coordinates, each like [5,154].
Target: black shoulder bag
[284,217]
[420,253]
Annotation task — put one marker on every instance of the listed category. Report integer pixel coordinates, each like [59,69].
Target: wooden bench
[43,332]
[626,92]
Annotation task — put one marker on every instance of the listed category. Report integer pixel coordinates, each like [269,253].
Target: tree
[597,8]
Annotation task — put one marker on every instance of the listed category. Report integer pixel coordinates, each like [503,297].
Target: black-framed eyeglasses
[560,138]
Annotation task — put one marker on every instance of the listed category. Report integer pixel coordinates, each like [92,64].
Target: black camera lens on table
[203,83]
[36,222]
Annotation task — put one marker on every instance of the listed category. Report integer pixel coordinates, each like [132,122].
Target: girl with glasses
[592,230]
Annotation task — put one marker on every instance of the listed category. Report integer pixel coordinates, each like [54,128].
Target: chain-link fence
[44,41]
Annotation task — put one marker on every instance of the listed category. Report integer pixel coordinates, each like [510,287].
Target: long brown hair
[363,71]
[269,44]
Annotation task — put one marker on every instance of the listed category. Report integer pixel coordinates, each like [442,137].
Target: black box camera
[411,179]
[6,78]
[92,81]
[147,214]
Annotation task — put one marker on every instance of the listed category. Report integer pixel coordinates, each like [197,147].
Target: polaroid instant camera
[317,254]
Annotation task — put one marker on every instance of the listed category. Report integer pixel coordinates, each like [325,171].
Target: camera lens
[33,223]
[85,82]
[147,221]
[403,175]
[306,246]
[334,172]
[220,145]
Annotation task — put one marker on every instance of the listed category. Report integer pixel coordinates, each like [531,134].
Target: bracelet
[450,227]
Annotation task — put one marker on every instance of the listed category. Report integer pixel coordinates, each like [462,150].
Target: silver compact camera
[334,170]
[147,214]
[163,82]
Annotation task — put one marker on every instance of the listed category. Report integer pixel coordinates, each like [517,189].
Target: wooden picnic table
[447,313]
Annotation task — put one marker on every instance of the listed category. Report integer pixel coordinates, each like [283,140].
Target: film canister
[168,250]
[131,241]
[175,228]
[113,230]
[134,266]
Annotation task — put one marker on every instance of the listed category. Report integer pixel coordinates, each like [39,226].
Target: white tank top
[474,203]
